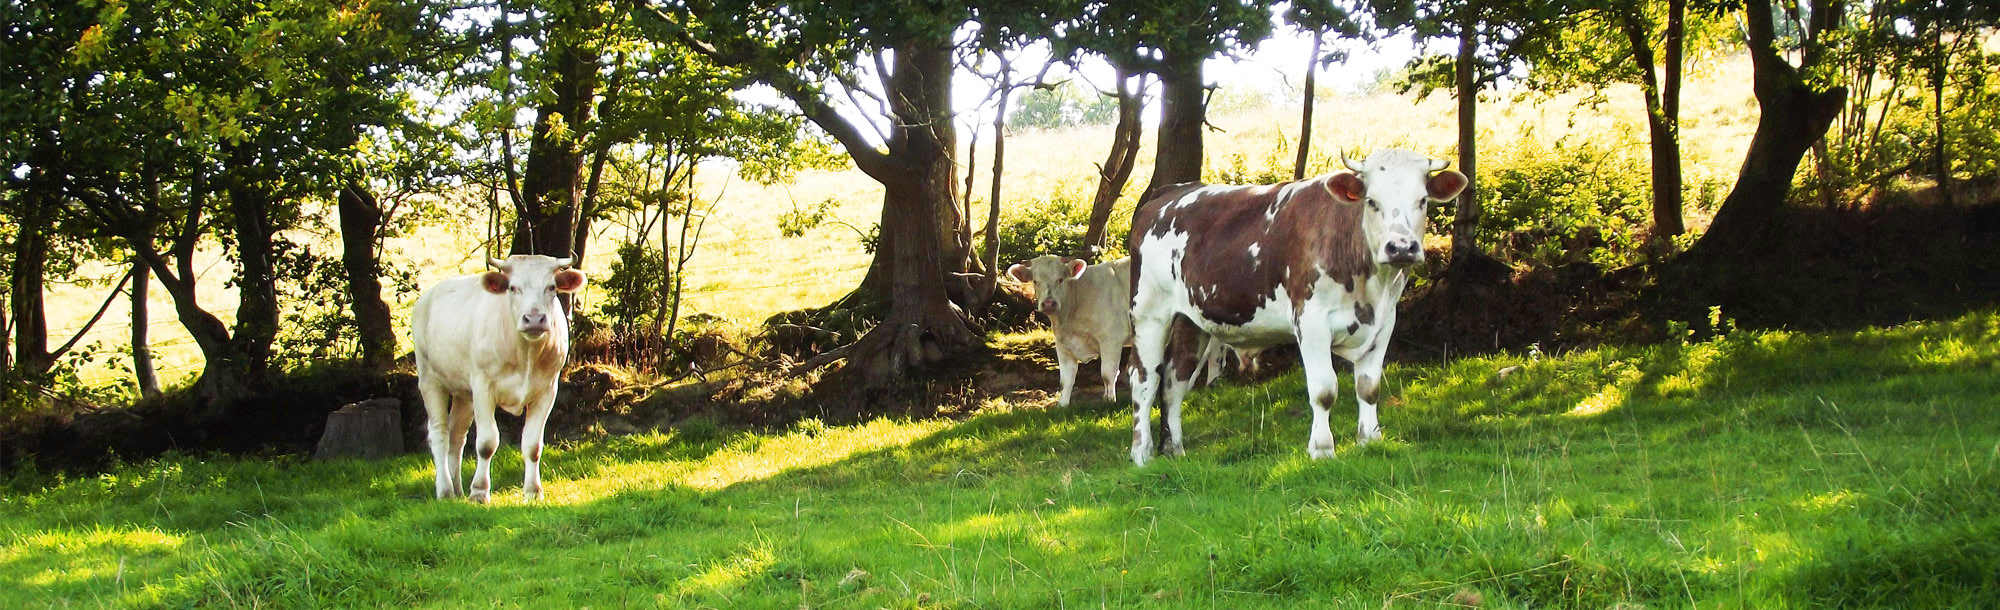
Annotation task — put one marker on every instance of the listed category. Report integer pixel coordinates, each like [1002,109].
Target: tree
[1797,106]
[1120,160]
[805,53]
[1492,39]
[1170,40]
[1319,18]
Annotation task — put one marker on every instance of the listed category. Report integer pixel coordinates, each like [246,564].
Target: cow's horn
[563,263]
[1350,162]
[1438,164]
[499,263]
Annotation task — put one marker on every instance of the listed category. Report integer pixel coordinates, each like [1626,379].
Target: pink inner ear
[1019,272]
[569,280]
[1347,186]
[1076,269]
[494,282]
[1445,185]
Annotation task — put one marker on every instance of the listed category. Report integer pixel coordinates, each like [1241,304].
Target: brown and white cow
[1088,310]
[1319,262]
[496,339]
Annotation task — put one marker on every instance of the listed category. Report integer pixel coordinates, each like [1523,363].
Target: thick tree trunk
[1793,115]
[360,223]
[1938,74]
[1118,163]
[31,323]
[546,224]
[256,280]
[1306,117]
[1182,115]
[923,325]
[142,350]
[1465,223]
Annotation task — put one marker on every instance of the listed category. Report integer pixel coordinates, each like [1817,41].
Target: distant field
[745,272]
[1766,470]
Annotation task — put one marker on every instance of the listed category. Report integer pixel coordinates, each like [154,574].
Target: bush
[1054,224]
[632,294]
[1561,204]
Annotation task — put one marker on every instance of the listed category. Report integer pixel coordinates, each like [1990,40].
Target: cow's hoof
[1174,449]
[1320,451]
[1141,454]
[531,495]
[479,496]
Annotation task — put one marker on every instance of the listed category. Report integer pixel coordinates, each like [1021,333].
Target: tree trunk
[142,349]
[546,223]
[31,323]
[256,280]
[1182,115]
[1465,223]
[1792,116]
[1306,117]
[1662,115]
[923,325]
[1938,74]
[1117,168]
[360,223]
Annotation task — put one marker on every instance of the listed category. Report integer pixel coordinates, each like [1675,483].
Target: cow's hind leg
[437,411]
[1109,354]
[1149,345]
[1065,371]
[1316,357]
[488,444]
[461,422]
[1188,351]
[531,446]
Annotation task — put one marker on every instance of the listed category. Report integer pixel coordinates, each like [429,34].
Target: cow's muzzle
[534,325]
[1403,251]
[1049,306]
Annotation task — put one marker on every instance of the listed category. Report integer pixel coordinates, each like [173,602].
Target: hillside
[1766,469]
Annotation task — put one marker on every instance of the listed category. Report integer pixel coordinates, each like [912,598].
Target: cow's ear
[569,280]
[1020,273]
[1076,266]
[1347,187]
[1445,185]
[494,281]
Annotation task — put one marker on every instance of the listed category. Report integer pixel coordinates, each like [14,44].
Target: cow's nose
[1048,305]
[1403,251]
[535,320]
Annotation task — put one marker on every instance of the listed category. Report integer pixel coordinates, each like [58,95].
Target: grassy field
[744,271]
[1763,469]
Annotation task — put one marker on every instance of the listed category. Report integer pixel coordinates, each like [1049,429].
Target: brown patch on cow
[1313,231]
[1365,387]
[1365,313]
[1184,349]
[1353,327]
[494,282]
[535,453]
[487,448]
[1325,400]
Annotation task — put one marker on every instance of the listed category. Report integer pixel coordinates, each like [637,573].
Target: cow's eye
[1374,206]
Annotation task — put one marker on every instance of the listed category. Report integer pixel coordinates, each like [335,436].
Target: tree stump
[371,429]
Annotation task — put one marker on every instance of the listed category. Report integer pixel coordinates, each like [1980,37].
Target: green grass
[1760,470]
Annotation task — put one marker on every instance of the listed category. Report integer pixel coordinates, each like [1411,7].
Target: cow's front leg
[1066,371]
[531,445]
[488,442]
[1367,385]
[437,417]
[1149,345]
[1316,357]
[461,422]
[1109,356]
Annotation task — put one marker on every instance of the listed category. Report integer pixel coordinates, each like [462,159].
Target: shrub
[1553,205]
[1054,223]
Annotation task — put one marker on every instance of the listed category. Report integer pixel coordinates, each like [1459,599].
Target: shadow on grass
[1624,474]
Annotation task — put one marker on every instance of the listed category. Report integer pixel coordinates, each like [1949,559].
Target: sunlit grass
[1763,469]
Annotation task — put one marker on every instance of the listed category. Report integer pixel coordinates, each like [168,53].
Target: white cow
[497,339]
[1089,310]
[1319,262]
